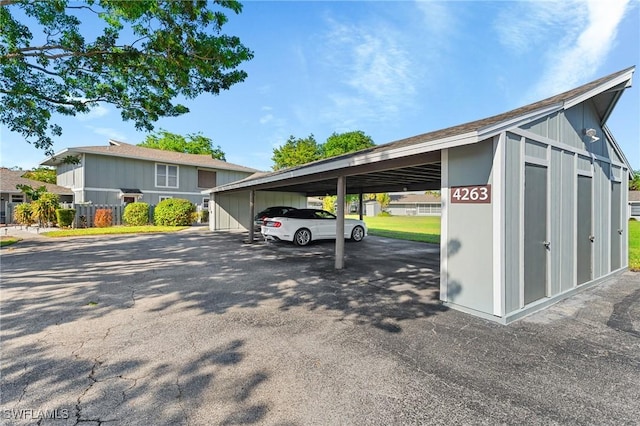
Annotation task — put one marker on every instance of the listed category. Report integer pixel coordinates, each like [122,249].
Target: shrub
[384,214]
[44,208]
[103,218]
[203,216]
[23,214]
[136,214]
[65,217]
[174,212]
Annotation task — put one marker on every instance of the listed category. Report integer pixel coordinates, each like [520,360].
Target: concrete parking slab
[197,328]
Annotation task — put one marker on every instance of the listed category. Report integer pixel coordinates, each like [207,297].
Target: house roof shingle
[414,198]
[121,149]
[10,178]
[634,196]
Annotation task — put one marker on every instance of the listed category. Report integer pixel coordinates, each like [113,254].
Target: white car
[302,226]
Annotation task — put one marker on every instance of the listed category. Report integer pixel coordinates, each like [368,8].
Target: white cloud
[108,132]
[579,60]
[575,35]
[95,112]
[265,119]
[371,73]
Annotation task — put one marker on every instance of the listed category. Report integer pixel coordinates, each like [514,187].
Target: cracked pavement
[197,328]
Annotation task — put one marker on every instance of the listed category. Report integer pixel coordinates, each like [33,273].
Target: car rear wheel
[302,237]
[357,234]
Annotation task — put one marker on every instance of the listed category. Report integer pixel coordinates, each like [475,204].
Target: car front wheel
[302,237]
[357,234]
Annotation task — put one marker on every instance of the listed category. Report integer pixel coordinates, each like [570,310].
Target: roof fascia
[358,160]
[51,160]
[502,126]
[617,149]
[601,88]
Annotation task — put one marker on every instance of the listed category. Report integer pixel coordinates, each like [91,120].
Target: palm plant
[44,208]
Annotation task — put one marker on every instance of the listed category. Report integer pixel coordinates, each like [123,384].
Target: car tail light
[273,224]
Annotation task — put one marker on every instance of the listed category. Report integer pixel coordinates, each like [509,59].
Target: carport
[533,200]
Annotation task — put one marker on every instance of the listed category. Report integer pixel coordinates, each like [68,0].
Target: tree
[190,144]
[384,199]
[30,192]
[41,174]
[146,54]
[296,152]
[338,144]
[634,185]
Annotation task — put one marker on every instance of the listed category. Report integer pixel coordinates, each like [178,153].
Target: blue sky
[391,69]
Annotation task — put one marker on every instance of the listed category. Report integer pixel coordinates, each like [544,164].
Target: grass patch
[8,240]
[113,230]
[424,229]
[634,245]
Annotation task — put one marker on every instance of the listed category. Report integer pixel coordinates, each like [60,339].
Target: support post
[360,203]
[252,196]
[342,187]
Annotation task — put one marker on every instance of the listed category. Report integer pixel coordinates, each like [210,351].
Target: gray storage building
[534,200]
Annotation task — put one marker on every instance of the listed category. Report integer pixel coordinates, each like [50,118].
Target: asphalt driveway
[197,328]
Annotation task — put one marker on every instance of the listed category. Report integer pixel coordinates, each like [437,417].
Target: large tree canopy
[297,151]
[190,144]
[342,143]
[65,57]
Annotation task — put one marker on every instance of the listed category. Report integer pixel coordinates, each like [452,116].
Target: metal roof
[414,163]
[121,149]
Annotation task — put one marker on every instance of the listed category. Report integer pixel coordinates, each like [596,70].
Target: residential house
[428,204]
[120,173]
[10,194]
[634,204]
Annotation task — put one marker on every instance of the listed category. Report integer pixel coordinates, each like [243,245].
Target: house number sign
[477,194]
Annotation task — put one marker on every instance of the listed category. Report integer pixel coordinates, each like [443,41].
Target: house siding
[564,159]
[104,176]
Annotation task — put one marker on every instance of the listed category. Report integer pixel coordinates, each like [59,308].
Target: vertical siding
[601,219]
[624,253]
[567,236]
[112,173]
[512,233]
[558,205]
[539,127]
[535,149]
[232,209]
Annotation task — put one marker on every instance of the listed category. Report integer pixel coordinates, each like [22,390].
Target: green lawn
[634,245]
[113,230]
[8,240]
[425,229]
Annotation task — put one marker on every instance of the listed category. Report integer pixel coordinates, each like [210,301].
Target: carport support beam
[341,190]
[252,207]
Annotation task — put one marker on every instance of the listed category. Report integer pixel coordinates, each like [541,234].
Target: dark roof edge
[465,133]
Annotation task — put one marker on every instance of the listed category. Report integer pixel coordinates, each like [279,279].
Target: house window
[164,197]
[166,176]
[206,179]
[205,203]
[127,199]
[19,198]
